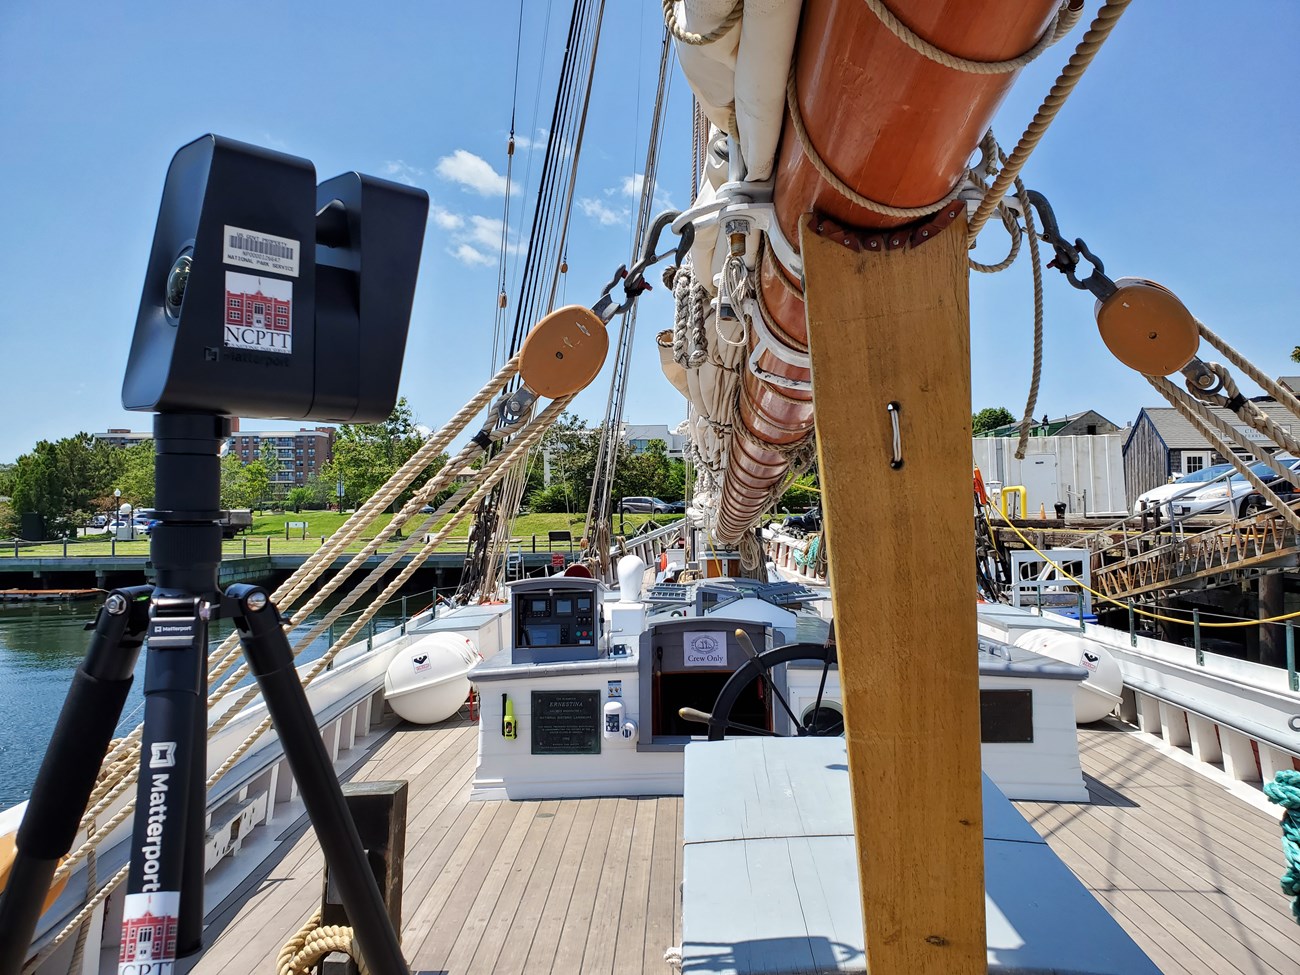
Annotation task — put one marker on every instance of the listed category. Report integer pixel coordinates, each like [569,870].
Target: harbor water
[41,645]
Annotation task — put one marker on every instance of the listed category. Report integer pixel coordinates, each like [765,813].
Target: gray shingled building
[1163,445]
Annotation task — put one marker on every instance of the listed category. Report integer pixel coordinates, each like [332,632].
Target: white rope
[1100,28]
[1275,389]
[841,187]
[1059,26]
[697,40]
[1215,431]
[1231,399]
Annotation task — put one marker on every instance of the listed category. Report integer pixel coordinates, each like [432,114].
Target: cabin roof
[1179,434]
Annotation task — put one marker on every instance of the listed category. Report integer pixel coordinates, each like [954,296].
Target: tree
[366,455]
[648,473]
[65,481]
[1295,354]
[135,474]
[257,484]
[269,455]
[802,494]
[321,491]
[298,497]
[234,482]
[990,418]
[570,450]
[6,480]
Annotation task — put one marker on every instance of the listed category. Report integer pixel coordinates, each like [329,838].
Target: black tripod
[166,876]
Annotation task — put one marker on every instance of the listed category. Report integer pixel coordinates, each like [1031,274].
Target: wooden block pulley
[564,352]
[1147,328]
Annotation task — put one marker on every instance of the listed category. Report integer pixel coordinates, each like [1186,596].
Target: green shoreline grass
[270,528]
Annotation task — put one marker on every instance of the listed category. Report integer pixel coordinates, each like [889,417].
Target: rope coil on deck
[1285,791]
[312,942]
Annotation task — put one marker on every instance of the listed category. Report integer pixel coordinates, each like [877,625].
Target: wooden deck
[593,885]
[579,885]
[1189,870]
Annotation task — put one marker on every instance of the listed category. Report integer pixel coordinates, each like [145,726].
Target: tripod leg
[67,776]
[173,678]
[271,660]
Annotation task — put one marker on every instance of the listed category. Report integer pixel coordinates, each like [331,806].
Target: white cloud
[539,142]
[470,257]
[602,214]
[632,186]
[473,173]
[445,218]
[402,171]
[473,240]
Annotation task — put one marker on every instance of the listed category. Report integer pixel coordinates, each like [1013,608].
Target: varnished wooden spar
[896,127]
[893,327]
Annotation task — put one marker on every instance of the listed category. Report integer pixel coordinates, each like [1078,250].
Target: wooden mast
[892,326]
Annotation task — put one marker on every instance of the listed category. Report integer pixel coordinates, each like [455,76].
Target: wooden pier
[46,595]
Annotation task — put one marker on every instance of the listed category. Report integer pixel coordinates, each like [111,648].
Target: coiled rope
[1285,791]
[1067,15]
[697,40]
[312,942]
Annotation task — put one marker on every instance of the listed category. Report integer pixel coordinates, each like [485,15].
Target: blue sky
[1175,160]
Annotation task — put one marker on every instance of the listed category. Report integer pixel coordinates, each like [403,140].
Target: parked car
[1234,497]
[1161,496]
[649,506]
[809,521]
[677,508]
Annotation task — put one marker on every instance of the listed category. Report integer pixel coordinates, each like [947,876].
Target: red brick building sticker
[259,313]
[149,924]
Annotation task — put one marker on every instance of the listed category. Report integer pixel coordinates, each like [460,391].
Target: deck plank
[592,922]
[594,885]
[581,857]
[630,937]
[513,955]
[659,927]
[1186,867]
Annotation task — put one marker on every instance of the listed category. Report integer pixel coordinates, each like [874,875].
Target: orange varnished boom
[899,129]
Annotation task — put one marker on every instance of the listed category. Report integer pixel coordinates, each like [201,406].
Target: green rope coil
[1285,791]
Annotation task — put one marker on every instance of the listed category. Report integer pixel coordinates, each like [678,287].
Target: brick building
[302,452]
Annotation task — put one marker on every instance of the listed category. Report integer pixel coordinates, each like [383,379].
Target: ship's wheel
[819,719]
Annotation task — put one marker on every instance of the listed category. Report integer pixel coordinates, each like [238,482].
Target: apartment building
[302,452]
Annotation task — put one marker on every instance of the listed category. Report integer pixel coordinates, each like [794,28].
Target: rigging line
[512,492]
[519,43]
[500,300]
[537,103]
[580,54]
[554,140]
[577,149]
[542,235]
[599,504]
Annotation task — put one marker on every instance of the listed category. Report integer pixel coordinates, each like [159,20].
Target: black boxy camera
[269,296]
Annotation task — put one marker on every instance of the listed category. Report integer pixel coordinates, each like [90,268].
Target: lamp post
[116,520]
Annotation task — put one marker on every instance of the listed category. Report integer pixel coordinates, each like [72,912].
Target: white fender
[1098,695]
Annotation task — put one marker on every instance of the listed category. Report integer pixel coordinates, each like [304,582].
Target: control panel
[556,619]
